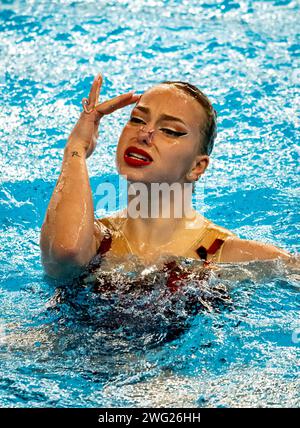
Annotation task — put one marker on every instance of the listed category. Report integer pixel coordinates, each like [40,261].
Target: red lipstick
[134,156]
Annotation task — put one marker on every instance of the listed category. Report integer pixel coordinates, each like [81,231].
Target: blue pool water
[244,55]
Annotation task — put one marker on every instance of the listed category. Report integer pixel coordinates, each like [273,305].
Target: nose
[145,135]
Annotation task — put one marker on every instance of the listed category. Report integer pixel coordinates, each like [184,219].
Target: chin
[145,174]
[134,175]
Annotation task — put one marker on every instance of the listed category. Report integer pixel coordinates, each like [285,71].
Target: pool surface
[130,348]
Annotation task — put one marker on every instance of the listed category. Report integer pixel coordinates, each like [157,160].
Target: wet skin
[69,235]
[173,145]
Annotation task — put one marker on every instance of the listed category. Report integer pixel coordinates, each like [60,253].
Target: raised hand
[85,132]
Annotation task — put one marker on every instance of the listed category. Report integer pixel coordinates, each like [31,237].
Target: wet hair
[209,131]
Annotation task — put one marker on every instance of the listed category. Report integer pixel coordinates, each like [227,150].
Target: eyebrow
[163,116]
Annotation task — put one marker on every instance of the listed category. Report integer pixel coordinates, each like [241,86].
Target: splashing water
[230,338]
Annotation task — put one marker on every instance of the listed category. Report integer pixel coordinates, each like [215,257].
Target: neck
[157,212]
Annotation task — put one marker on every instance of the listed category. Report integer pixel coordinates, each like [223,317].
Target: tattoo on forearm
[75,154]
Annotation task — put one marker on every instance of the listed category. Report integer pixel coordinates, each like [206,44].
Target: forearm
[68,230]
[69,238]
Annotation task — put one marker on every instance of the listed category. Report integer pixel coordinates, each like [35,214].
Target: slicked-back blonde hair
[209,131]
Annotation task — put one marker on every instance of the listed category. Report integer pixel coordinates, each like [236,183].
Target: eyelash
[166,130]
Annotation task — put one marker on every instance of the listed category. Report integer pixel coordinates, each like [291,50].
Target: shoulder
[213,231]
[212,238]
[106,230]
[220,230]
[237,250]
[112,222]
[242,250]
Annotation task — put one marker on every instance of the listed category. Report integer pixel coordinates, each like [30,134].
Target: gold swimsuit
[207,245]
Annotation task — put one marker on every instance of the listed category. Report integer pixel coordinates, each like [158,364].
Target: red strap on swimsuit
[202,251]
[105,244]
[215,246]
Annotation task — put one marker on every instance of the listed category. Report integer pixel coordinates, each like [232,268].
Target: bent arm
[242,250]
[69,237]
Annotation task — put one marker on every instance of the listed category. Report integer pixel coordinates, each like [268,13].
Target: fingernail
[97,78]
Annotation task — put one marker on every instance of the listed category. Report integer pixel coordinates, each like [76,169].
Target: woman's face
[160,142]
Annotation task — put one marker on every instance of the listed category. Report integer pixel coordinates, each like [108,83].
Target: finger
[117,103]
[109,106]
[95,90]
[100,80]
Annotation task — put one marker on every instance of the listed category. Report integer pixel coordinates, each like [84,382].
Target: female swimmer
[168,139]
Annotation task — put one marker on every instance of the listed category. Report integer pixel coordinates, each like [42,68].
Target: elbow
[62,265]
[63,256]
[61,271]
[60,250]
[66,254]
[61,261]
